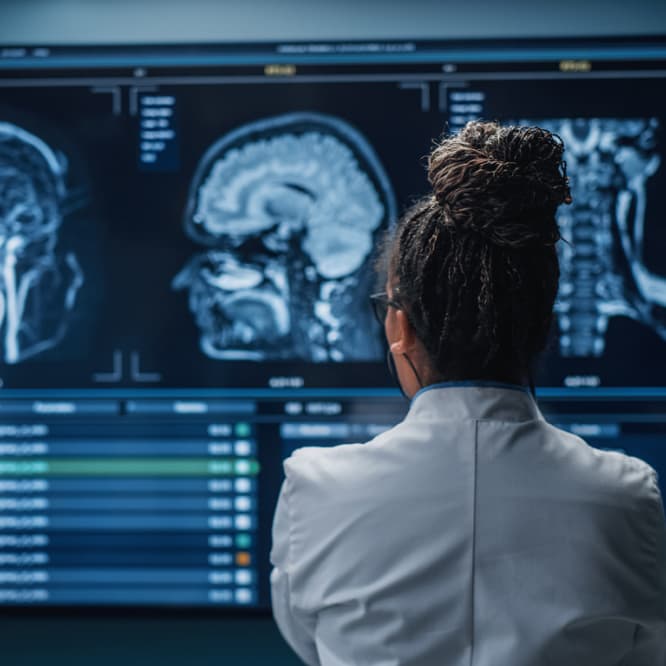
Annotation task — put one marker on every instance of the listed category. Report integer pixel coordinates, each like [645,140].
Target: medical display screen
[188,240]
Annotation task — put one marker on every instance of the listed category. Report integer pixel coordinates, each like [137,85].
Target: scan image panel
[38,283]
[609,162]
[288,210]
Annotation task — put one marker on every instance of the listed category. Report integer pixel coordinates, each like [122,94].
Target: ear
[406,337]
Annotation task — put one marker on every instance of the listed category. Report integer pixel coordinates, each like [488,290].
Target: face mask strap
[530,379]
[416,374]
[390,362]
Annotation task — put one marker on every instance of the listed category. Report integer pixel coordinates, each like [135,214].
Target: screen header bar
[331,52]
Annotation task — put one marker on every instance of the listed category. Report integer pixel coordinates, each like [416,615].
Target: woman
[473,532]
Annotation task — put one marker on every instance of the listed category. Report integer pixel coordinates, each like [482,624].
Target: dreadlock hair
[475,264]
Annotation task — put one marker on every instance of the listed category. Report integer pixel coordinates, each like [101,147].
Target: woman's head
[474,266]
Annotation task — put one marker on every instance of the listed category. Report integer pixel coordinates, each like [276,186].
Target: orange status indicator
[243,559]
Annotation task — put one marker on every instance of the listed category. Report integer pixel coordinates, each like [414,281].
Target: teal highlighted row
[131,467]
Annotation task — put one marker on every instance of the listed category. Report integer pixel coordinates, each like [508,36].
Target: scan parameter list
[133,502]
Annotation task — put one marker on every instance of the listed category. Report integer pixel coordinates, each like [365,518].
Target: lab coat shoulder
[331,473]
[624,480]
[336,496]
[622,494]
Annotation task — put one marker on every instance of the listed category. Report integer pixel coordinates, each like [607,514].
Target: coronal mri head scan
[610,162]
[288,210]
[38,285]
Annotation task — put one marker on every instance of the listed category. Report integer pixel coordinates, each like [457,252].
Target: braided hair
[475,264]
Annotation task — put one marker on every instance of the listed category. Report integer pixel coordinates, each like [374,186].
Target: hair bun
[504,183]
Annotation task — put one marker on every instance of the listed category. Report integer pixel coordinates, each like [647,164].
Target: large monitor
[187,238]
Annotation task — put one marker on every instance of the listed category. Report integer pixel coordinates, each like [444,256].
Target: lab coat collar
[486,400]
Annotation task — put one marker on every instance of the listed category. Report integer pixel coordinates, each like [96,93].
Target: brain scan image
[287,211]
[38,284]
[609,163]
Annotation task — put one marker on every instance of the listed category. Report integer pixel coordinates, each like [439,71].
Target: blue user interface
[187,246]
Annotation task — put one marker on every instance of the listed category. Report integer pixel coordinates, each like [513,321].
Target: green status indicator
[130,467]
[243,429]
[243,540]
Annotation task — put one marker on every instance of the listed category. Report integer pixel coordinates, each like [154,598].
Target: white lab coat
[473,533]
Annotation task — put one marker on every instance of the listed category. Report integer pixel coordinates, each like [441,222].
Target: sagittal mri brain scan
[288,210]
[38,285]
[609,162]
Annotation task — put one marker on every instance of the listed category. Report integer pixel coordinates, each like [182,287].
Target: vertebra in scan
[603,275]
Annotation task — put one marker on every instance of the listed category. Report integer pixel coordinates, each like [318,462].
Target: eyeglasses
[381,303]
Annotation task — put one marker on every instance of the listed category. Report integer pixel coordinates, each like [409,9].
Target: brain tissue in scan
[609,163]
[287,210]
[38,285]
